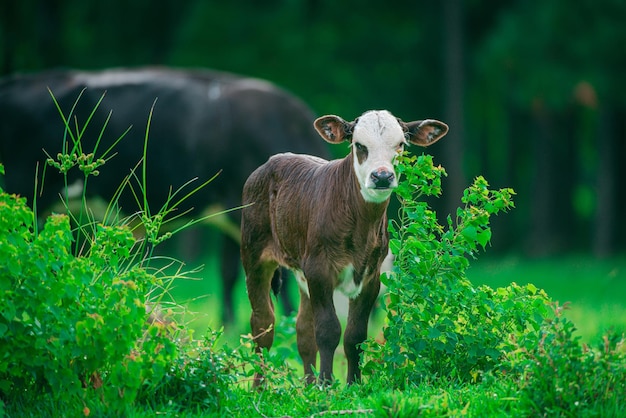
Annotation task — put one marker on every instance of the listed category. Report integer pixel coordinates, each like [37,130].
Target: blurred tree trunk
[604,222]
[541,232]
[564,171]
[454,82]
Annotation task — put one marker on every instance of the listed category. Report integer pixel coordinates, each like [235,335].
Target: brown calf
[326,221]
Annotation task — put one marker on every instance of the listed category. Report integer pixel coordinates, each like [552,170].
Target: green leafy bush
[73,327]
[207,374]
[200,377]
[556,374]
[438,324]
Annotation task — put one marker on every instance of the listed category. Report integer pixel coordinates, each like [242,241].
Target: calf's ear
[334,129]
[425,132]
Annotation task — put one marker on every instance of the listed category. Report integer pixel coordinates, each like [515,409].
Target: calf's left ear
[333,128]
[425,132]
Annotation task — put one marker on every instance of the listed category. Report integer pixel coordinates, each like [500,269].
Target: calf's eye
[361,152]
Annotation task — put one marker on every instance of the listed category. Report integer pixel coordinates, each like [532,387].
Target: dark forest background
[533,91]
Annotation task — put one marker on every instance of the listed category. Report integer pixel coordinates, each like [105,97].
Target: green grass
[432,400]
[594,288]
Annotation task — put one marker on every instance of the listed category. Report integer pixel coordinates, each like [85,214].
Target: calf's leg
[258,283]
[305,331]
[327,327]
[356,328]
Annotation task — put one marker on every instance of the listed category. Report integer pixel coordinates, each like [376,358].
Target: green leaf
[484,237]
[434,333]
[470,233]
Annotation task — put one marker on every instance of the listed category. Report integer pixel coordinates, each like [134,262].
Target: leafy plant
[438,324]
[73,325]
[206,374]
[200,377]
[556,374]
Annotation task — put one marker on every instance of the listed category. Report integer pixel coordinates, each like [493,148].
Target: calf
[326,221]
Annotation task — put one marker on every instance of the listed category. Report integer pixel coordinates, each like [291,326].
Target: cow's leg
[305,330]
[327,327]
[230,268]
[356,328]
[258,282]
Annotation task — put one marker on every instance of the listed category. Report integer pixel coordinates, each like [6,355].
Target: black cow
[203,122]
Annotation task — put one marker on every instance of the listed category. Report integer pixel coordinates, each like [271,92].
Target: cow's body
[326,221]
[204,122]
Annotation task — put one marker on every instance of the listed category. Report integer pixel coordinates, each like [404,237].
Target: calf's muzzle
[382,178]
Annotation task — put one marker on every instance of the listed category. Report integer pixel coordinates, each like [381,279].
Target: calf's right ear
[334,129]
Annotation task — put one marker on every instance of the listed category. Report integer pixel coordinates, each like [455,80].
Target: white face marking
[379,138]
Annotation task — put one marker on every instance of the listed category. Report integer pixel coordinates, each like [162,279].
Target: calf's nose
[382,178]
